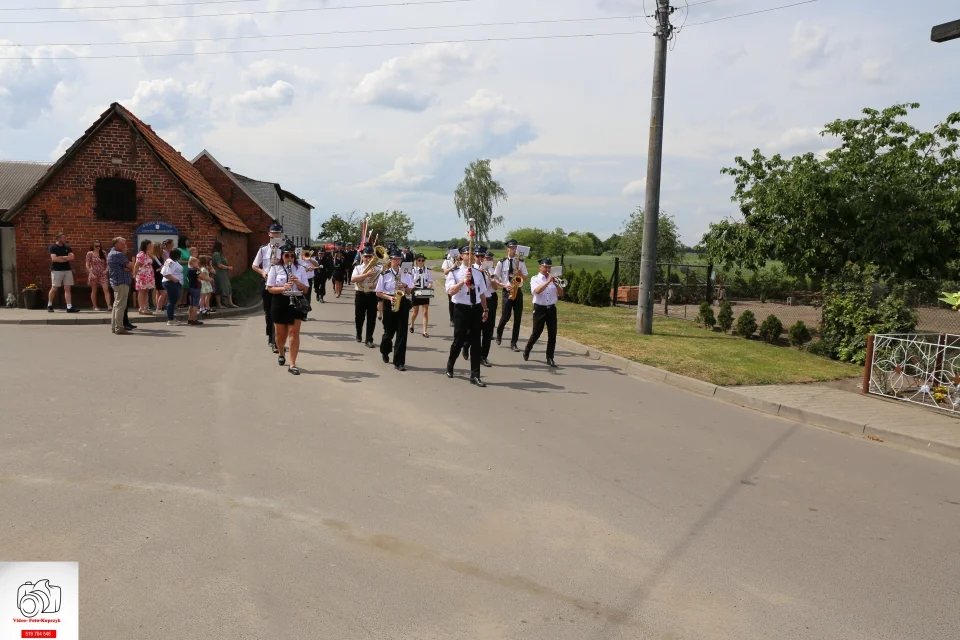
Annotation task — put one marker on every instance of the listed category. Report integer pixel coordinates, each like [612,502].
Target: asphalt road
[208,493]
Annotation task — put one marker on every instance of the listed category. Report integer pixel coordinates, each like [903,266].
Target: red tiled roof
[188,174]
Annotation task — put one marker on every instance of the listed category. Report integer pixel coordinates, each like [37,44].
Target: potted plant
[32,297]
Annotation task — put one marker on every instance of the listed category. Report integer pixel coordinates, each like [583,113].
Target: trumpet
[560,282]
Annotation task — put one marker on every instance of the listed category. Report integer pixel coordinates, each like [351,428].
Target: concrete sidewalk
[854,414]
[86,316]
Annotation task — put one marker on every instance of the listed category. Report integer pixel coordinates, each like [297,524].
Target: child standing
[193,297]
[206,284]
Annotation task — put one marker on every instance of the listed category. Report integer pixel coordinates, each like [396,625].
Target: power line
[336,46]
[753,13]
[127,6]
[324,33]
[240,13]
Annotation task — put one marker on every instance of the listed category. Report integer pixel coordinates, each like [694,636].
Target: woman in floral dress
[97,274]
[143,277]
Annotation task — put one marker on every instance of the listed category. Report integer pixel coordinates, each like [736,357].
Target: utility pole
[651,207]
[945,32]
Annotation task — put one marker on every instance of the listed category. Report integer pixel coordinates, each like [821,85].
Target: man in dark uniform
[468,288]
[492,303]
[365,300]
[267,256]
[505,272]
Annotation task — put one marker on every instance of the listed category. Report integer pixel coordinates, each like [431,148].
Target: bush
[246,287]
[570,292]
[857,304]
[705,317]
[746,324]
[770,329]
[598,290]
[821,348]
[725,317]
[799,334]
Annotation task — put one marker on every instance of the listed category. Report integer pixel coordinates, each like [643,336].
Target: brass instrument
[560,282]
[399,295]
[306,254]
[370,269]
[517,283]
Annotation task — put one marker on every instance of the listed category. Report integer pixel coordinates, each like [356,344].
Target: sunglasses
[289,255]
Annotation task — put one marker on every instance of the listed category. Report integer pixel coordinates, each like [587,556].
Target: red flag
[363,235]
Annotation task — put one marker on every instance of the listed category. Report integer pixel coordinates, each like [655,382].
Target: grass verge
[683,347]
[431,253]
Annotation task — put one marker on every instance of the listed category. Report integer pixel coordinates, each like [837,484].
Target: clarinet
[293,292]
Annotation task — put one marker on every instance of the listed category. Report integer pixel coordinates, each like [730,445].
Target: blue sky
[564,120]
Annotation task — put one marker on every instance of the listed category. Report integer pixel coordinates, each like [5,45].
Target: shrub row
[746,325]
[591,289]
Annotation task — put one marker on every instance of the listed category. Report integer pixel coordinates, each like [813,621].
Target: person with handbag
[423,283]
[287,283]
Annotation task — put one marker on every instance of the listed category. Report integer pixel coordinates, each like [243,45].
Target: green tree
[555,244]
[390,225]
[611,243]
[476,196]
[531,237]
[888,196]
[597,243]
[630,246]
[337,228]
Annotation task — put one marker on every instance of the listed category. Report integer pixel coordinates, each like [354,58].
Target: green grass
[683,347]
[431,253]
[591,263]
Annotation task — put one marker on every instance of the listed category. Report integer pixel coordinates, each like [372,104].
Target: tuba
[379,255]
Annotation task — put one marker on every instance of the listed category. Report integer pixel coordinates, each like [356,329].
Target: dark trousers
[395,331]
[267,299]
[488,326]
[544,316]
[450,306]
[365,309]
[514,308]
[467,323]
[320,286]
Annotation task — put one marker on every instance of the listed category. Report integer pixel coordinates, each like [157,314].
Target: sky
[388,111]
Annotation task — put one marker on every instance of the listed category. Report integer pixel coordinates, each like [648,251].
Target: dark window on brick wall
[116,199]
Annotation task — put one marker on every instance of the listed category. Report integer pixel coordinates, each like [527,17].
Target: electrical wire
[128,6]
[752,13]
[241,13]
[322,33]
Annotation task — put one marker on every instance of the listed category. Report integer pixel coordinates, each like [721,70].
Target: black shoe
[551,362]
[359,339]
[281,361]
[449,372]
[466,353]
[477,382]
[269,341]
[370,344]
[294,371]
[486,363]
[385,357]
[49,308]
[499,340]
[399,367]
[273,348]
[526,355]
[73,310]
[515,348]
[411,329]
[318,297]
[130,327]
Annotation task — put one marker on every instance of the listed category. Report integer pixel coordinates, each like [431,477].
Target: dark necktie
[511,268]
[473,290]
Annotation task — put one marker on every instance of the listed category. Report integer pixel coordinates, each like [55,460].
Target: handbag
[301,303]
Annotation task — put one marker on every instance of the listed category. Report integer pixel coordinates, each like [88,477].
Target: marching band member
[310,266]
[546,293]
[467,288]
[492,303]
[391,282]
[267,256]
[322,259]
[422,279]
[449,264]
[504,274]
[479,256]
[287,281]
[365,300]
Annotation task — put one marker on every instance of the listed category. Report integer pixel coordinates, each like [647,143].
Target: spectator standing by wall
[96,264]
[119,268]
[61,272]
[172,274]
[222,276]
[143,277]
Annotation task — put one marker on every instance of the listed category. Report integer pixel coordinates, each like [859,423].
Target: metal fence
[921,368]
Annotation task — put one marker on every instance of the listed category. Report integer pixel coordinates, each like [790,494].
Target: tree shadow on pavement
[156,333]
[343,376]
[636,598]
[534,386]
[333,337]
[352,357]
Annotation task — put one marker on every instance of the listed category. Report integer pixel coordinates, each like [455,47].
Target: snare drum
[423,293]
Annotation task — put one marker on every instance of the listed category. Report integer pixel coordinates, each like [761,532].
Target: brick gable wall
[66,203]
[245,207]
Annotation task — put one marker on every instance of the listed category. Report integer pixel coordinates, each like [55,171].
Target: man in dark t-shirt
[61,274]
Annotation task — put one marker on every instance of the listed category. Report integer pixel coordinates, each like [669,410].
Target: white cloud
[875,70]
[407,82]
[809,44]
[797,138]
[634,188]
[267,71]
[61,148]
[279,94]
[485,126]
[170,103]
[28,83]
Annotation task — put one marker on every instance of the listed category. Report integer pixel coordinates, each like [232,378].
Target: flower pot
[32,299]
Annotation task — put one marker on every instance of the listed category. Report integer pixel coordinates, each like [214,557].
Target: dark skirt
[282,312]
[421,302]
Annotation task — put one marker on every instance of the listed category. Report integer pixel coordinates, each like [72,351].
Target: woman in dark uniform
[288,282]
[339,272]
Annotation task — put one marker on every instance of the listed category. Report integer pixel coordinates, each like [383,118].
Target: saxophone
[399,295]
[517,282]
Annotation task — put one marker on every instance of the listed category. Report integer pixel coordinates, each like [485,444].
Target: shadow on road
[534,386]
[343,376]
[333,337]
[353,357]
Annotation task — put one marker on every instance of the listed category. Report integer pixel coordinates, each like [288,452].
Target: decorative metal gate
[922,368]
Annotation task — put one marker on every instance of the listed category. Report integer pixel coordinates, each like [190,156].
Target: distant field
[430,253]
[590,263]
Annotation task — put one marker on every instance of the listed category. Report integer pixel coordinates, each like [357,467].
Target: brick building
[244,203]
[120,179]
[289,210]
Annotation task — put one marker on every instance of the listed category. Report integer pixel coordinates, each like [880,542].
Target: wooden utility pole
[651,207]
[945,32]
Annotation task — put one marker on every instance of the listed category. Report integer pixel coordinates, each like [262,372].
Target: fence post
[868,365]
[616,281]
[709,284]
[938,366]
[666,293]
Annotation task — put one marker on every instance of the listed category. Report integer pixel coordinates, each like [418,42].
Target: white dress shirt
[502,270]
[422,277]
[277,277]
[482,268]
[174,269]
[387,283]
[463,296]
[263,260]
[546,297]
[357,270]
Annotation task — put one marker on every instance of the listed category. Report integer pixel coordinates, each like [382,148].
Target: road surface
[206,493]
